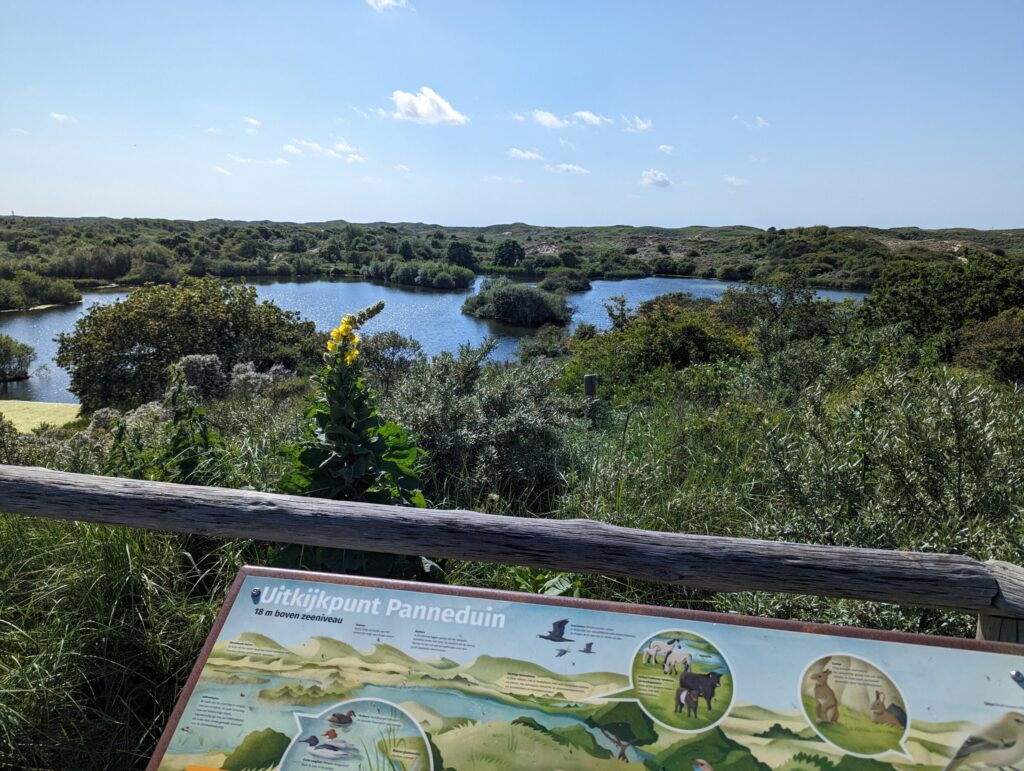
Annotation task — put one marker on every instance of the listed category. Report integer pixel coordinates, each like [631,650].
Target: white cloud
[62,117]
[19,131]
[426,106]
[729,179]
[251,161]
[524,155]
[341,146]
[293,150]
[401,167]
[252,122]
[655,178]
[569,145]
[518,116]
[354,158]
[381,5]
[667,149]
[759,122]
[510,180]
[214,130]
[548,119]
[222,170]
[636,123]
[567,168]
[591,119]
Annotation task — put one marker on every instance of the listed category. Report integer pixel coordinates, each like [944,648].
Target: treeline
[134,251]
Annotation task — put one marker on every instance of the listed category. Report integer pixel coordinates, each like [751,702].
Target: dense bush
[638,358]
[564,281]
[996,346]
[486,429]
[15,359]
[387,357]
[118,354]
[204,373]
[431,275]
[27,289]
[517,304]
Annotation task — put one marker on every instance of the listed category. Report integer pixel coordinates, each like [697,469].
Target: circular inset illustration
[358,734]
[682,680]
[854,705]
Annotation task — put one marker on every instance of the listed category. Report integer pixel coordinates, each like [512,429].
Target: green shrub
[517,304]
[118,354]
[564,281]
[15,359]
[996,346]
[486,429]
[387,357]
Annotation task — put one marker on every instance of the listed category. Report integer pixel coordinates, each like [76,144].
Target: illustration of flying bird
[998,745]
[588,648]
[557,633]
[561,652]
[1018,677]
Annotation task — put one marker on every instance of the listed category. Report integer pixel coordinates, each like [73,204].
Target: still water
[432,317]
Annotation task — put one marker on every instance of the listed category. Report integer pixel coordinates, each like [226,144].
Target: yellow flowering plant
[348,450]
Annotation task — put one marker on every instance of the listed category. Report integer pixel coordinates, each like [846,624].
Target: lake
[431,316]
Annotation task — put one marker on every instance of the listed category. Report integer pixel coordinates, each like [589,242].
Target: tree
[387,356]
[996,345]
[405,250]
[118,354]
[517,304]
[460,253]
[15,359]
[625,725]
[508,253]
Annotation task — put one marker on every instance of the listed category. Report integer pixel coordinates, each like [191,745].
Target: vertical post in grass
[590,392]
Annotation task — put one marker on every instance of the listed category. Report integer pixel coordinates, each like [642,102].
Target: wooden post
[590,392]
[997,628]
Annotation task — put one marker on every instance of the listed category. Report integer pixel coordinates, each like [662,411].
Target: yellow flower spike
[351,356]
[332,345]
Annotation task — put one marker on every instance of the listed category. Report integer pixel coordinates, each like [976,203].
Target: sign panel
[308,672]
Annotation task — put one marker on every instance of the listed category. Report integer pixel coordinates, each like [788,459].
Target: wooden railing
[992,590]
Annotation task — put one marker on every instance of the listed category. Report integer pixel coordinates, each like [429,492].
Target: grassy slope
[29,415]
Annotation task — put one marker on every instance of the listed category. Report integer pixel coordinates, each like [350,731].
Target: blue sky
[663,113]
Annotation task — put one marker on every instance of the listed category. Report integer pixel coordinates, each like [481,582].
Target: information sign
[319,672]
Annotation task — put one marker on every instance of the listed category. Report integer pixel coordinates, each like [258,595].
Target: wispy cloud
[667,149]
[256,161]
[567,144]
[655,178]
[509,180]
[293,150]
[729,179]
[19,131]
[518,116]
[383,5]
[548,119]
[755,125]
[373,112]
[590,118]
[402,167]
[214,130]
[354,158]
[567,168]
[61,117]
[524,155]
[636,123]
[252,122]
[426,106]
[337,151]
[222,170]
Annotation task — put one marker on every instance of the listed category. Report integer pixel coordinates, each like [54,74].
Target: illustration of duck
[342,719]
[331,734]
[561,652]
[337,750]
[588,648]
[254,595]
[557,633]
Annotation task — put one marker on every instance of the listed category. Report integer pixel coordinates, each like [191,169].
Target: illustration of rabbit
[826,705]
[894,714]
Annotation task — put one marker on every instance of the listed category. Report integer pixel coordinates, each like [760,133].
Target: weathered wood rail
[994,590]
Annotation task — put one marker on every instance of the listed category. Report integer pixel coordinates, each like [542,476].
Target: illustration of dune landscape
[488,713]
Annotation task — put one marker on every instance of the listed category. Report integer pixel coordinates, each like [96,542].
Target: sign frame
[732,619]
